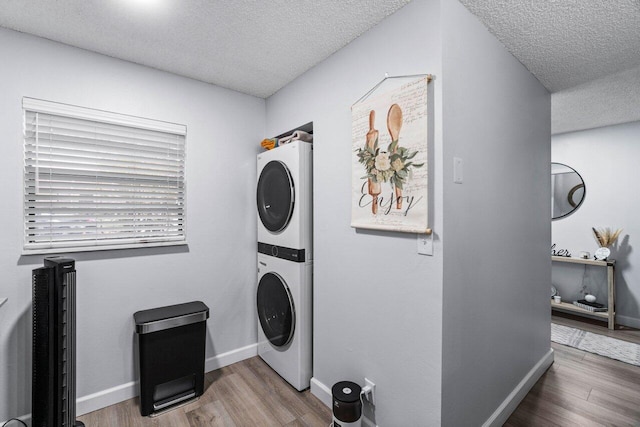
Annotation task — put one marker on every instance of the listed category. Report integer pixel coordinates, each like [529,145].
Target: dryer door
[276,310]
[275,196]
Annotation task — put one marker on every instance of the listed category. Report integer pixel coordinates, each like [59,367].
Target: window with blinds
[98,180]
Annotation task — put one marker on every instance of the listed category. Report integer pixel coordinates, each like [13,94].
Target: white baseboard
[632,322]
[119,393]
[502,413]
[104,398]
[323,393]
[230,357]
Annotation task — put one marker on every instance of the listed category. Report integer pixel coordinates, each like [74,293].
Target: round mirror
[567,190]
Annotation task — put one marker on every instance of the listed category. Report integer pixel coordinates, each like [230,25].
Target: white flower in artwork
[397,164]
[382,161]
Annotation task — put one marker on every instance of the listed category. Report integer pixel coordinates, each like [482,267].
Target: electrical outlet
[369,391]
[425,244]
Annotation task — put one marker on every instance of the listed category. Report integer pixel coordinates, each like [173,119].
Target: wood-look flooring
[579,389]
[583,389]
[247,393]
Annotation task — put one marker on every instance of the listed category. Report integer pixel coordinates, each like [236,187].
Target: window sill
[101,248]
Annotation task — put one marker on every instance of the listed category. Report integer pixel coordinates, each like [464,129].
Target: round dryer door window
[275,196]
[276,311]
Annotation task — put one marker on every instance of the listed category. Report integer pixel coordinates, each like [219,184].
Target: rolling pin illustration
[372,139]
[394,124]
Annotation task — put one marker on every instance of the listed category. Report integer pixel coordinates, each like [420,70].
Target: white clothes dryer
[285,202]
[284,304]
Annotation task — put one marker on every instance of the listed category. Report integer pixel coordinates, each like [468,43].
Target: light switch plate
[425,244]
[457,170]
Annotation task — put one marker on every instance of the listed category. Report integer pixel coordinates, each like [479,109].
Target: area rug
[613,348]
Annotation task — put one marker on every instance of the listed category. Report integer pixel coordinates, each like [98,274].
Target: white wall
[224,130]
[607,160]
[496,223]
[377,302]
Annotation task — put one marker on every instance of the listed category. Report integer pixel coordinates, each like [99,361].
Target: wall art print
[389,160]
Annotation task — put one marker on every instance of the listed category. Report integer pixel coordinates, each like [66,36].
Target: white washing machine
[284,201]
[284,303]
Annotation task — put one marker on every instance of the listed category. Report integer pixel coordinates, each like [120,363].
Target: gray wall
[224,131]
[607,160]
[496,224]
[377,302]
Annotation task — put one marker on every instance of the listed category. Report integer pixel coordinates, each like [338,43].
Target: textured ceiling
[610,100]
[586,52]
[565,43]
[252,46]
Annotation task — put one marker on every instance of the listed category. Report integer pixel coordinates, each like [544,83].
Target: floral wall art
[389,159]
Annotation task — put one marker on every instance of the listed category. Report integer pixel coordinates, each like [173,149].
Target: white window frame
[121,185]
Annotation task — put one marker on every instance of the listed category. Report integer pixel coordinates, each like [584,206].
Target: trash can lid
[346,391]
[171,316]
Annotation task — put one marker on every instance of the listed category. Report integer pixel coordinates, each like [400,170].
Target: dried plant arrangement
[605,236]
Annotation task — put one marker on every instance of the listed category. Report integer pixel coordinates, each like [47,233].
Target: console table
[610,315]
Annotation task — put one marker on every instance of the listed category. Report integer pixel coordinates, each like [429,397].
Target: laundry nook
[391,213]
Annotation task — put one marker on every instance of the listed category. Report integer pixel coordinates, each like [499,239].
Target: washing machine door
[276,310]
[275,196]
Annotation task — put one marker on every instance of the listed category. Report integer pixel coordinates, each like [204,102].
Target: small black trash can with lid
[347,406]
[171,347]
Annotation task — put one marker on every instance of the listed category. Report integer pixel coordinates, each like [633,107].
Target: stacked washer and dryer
[285,261]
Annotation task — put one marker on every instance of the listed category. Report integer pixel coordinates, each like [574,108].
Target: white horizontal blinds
[101,184]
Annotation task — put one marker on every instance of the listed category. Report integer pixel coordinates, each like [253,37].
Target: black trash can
[171,347]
